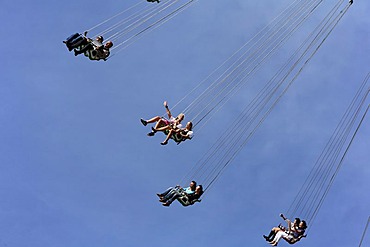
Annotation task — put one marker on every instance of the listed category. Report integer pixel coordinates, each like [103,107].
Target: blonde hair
[181,116]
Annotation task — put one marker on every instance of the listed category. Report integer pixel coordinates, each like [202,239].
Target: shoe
[143,122]
[164,143]
[69,47]
[150,134]
[65,41]
[166,204]
[162,200]
[76,52]
[159,195]
[265,237]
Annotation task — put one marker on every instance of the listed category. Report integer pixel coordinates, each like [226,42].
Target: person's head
[189,126]
[180,117]
[303,224]
[193,185]
[100,39]
[296,221]
[108,45]
[199,190]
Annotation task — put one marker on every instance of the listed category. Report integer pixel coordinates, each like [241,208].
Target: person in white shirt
[179,134]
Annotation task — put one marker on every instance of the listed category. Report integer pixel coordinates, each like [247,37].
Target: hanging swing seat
[184,200]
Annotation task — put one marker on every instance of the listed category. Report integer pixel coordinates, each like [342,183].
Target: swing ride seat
[184,200]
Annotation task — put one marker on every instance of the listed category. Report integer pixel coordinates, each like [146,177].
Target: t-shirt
[189,191]
[190,134]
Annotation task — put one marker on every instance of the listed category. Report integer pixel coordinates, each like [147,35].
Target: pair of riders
[292,234]
[172,127]
[92,48]
[186,197]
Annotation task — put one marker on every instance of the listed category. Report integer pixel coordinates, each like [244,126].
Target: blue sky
[77,168]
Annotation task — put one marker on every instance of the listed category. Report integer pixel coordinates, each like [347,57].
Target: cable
[363,235]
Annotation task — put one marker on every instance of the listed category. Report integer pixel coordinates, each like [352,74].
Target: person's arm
[184,136]
[167,109]
[282,216]
[295,240]
[287,221]
[175,130]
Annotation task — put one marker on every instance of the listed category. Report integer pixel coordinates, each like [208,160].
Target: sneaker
[150,134]
[143,122]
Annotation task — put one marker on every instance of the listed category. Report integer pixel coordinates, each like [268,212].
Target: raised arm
[287,221]
[167,109]
[282,216]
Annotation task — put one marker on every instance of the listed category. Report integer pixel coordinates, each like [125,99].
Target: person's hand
[282,216]
[165,104]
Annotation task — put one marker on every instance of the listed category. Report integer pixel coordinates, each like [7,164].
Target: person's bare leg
[161,125]
[154,119]
[167,137]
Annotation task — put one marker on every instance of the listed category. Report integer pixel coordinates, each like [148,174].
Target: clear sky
[77,168]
